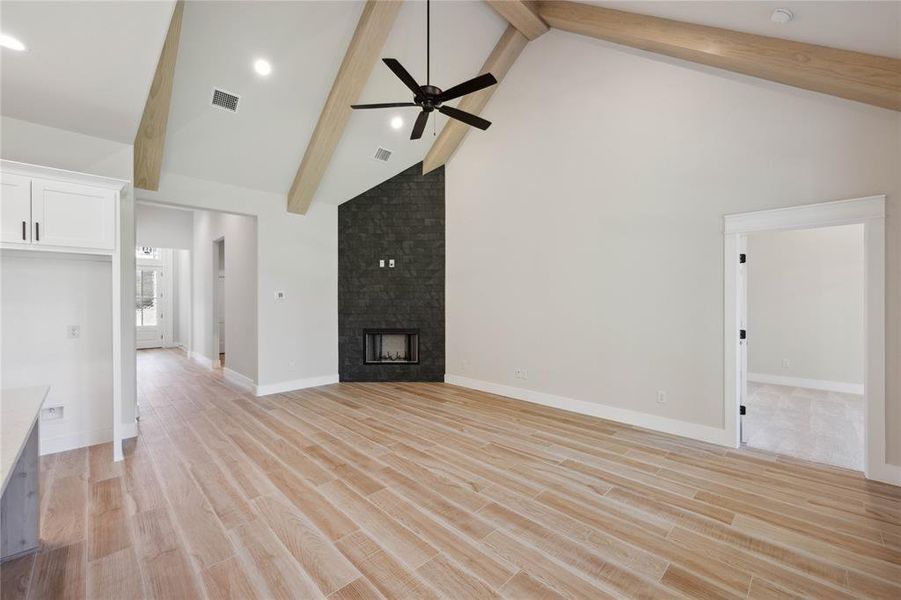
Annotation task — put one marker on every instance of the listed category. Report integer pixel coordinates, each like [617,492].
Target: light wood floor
[428,490]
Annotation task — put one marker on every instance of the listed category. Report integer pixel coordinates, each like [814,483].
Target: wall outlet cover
[280,295]
[73,332]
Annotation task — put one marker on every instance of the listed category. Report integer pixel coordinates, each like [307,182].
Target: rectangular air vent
[225,100]
[382,154]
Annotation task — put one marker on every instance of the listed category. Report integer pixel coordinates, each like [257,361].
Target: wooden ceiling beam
[150,139]
[856,76]
[362,54]
[522,14]
[499,62]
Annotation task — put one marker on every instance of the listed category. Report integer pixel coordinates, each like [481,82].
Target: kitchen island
[20,528]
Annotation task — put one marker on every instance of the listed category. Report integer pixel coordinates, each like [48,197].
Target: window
[147,294]
[146,252]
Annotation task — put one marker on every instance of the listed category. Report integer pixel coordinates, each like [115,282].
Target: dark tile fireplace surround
[391,320]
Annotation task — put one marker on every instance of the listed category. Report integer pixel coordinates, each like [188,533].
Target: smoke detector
[782,16]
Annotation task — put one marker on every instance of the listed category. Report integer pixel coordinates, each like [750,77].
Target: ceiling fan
[430,98]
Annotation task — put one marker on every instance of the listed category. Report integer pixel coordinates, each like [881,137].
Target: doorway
[803,349]
[153,297]
[869,213]
[219,308]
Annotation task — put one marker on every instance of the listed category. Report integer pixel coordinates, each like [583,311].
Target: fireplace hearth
[391,346]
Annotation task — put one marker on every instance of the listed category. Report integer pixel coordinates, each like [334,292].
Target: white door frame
[166,308]
[869,212]
[217,268]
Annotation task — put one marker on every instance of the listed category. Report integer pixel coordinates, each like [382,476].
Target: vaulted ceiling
[89,67]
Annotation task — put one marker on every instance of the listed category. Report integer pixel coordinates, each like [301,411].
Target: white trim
[822,214]
[868,211]
[200,359]
[811,384]
[296,384]
[71,441]
[239,380]
[52,173]
[129,430]
[704,433]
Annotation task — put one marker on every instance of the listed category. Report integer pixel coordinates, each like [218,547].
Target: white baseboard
[885,473]
[296,384]
[71,441]
[129,430]
[703,433]
[811,384]
[200,359]
[239,380]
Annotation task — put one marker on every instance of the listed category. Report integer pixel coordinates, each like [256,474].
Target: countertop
[19,410]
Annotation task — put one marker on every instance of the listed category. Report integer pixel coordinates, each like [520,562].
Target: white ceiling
[88,66]
[260,146]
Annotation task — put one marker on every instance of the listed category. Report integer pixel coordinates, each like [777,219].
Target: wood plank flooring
[352,491]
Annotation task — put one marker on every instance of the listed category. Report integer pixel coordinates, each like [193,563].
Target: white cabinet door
[68,214]
[15,209]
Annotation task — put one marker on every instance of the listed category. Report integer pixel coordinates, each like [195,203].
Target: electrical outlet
[280,295]
[786,364]
[390,263]
[517,372]
[381,263]
[73,332]
[292,364]
[661,397]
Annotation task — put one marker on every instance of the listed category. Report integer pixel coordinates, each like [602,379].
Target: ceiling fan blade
[402,74]
[467,87]
[465,117]
[383,105]
[419,126]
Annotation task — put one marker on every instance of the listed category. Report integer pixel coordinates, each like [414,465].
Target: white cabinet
[15,209]
[57,214]
[72,215]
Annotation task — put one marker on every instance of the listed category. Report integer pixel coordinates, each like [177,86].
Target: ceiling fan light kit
[430,98]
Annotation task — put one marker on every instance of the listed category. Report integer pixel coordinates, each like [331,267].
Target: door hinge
[742,258]
[742,334]
[742,410]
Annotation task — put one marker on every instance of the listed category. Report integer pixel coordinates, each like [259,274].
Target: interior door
[15,209]
[151,306]
[67,214]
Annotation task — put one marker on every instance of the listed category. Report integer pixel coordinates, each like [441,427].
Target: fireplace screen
[392,346]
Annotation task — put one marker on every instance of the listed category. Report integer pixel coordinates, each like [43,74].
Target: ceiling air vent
[225,100]
[382,154]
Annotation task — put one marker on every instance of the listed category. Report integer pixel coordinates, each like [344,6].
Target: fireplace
[391,346]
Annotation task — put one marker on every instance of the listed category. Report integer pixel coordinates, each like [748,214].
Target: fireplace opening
[391,346]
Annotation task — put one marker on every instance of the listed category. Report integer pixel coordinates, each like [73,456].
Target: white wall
[161,227]
[42,295]
[240,235]
[181,301]
[805,304]
[27,142]
[585,232]
[297,336]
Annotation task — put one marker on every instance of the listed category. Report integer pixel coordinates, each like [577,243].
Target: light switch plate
[381,263]
[391,263]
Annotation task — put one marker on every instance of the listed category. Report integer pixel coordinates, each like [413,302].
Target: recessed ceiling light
[397,123]
[781,16]
[262,67]
[8,41]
